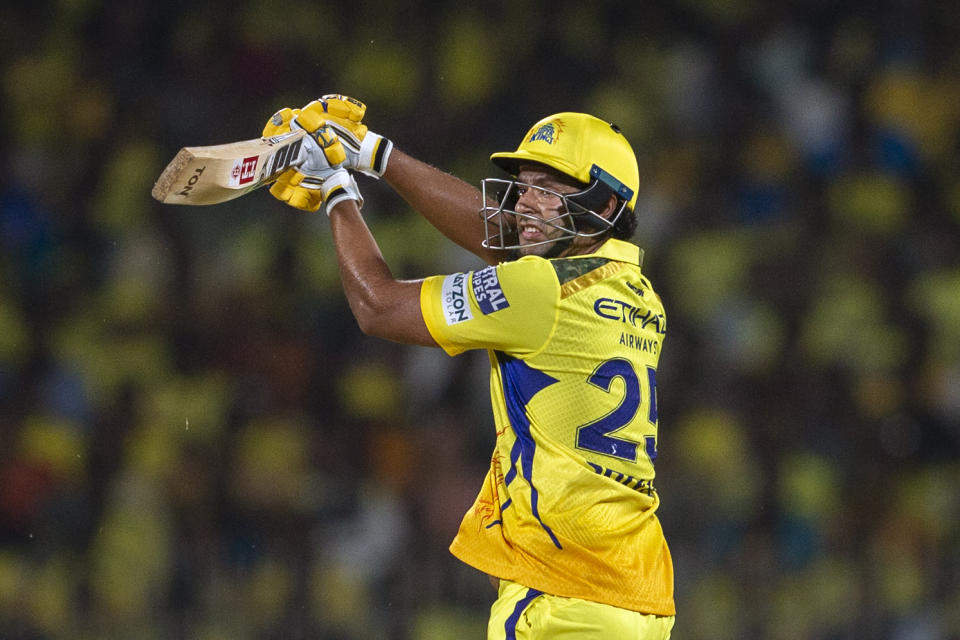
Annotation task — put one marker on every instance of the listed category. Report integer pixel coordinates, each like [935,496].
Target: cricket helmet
[591,151]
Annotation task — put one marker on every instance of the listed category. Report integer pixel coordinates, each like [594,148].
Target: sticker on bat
[244,171]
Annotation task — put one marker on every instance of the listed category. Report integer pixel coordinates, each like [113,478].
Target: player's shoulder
[529,280]
[615,259]
[567,269]
[527,267]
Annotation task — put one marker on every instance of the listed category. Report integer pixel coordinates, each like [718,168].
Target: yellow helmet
[581,146]
[585,148]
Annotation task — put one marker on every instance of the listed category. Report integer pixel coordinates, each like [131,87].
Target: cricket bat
[222,172]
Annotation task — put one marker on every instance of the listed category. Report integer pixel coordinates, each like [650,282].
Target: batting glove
[309,188]
[315,183]
[279,123]
[366,151]
[306,186]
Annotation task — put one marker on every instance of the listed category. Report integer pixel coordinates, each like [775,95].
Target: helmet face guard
[577,216]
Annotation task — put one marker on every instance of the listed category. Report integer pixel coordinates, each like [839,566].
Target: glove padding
[279,123]
[366,152]
[310,192]
[320,155]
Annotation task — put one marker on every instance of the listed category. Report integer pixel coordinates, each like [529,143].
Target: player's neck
[583,246]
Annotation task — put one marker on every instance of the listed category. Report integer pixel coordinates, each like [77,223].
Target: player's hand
[320,154]
[366,151]
[286,120]
[309,193]
[315,180]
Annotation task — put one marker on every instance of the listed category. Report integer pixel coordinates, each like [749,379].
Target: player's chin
[527,247]
[541,249]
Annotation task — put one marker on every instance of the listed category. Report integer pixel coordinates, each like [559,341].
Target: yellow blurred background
[197,442]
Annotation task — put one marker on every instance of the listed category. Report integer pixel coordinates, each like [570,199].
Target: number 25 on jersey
[600,435]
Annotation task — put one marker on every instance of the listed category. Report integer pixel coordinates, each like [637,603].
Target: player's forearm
[447,202]
[383,306]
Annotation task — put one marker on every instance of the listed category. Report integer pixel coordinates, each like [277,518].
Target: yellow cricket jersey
[568,505]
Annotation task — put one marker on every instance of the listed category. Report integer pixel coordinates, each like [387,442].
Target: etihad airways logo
[629,314]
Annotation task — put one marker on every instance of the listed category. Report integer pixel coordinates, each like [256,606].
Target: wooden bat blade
[218,173]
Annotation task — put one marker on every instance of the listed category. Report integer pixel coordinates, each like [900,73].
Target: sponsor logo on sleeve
[488,292]
[244,171]
[456,307]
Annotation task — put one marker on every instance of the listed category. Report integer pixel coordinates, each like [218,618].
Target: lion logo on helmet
[548,132]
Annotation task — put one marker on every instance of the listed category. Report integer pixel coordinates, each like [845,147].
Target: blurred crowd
[196,441]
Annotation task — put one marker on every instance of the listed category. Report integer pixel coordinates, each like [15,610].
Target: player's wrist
[374,154]
[338,187]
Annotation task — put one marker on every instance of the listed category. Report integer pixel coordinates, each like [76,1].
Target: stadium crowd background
[197,442]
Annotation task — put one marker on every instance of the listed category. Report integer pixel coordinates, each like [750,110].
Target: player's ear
[611,206]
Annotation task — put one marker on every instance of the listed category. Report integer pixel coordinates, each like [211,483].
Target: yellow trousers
[520,613]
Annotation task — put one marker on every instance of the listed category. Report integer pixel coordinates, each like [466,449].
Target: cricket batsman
[565,522]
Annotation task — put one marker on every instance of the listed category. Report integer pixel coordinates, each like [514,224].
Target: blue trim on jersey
[514,456]
[651,448]
[510,627]
[520,383]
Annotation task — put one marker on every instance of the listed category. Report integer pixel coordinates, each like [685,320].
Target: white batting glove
[318,176]
[333,182]
[366,151]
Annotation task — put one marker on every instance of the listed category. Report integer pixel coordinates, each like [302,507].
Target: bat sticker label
[244,171]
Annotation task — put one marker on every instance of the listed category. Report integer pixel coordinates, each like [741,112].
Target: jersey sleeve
[511,307]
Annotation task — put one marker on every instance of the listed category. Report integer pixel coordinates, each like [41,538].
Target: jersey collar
[621,251]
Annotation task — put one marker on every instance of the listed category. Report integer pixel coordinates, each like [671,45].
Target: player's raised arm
[447,202]
[383,306]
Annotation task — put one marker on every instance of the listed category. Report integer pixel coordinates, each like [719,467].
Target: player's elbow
[392,320]
[390,309]
[369,314]
[370,322]
[378,316]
